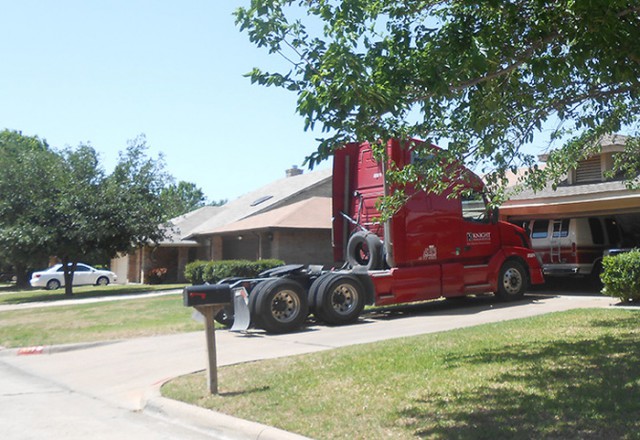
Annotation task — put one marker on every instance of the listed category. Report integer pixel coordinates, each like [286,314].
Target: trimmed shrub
[193,272]
[200,272]
[621,276]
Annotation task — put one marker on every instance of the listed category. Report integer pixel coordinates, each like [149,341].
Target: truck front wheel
[340,300]
[513,281]
[281,306]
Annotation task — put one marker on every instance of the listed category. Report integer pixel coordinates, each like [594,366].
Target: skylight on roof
[260,200]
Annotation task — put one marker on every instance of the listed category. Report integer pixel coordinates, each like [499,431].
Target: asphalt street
[111,390]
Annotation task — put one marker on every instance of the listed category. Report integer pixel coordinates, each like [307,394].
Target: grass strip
[10,295]
[573,374]
[96,321]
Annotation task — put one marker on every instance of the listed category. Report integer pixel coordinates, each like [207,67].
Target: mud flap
[242,316]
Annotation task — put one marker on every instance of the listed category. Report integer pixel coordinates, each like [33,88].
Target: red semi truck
[434,246]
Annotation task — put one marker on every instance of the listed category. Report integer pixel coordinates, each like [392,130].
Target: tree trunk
[69,270]
[22,277]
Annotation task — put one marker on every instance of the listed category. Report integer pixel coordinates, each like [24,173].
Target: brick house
[585,192]
[289,219]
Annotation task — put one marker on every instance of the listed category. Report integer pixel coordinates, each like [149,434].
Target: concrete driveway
[120,380]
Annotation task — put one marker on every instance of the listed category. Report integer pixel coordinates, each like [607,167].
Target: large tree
[63,204]
[26,211]
[487,79]
[108,214]
[182,197]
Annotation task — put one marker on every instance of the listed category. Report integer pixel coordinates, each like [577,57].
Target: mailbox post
[209,300]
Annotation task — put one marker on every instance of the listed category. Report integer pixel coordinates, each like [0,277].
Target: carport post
[209,312]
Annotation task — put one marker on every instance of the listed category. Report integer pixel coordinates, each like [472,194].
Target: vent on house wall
[588,170]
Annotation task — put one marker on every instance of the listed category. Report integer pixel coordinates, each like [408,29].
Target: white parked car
[53,277]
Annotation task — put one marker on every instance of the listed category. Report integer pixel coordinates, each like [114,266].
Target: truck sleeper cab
[436,245]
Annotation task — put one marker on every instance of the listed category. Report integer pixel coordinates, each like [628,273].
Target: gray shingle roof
[564,191]
[312,213]
[183,225]
[268,197]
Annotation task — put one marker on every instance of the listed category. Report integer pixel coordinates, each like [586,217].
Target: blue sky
[105,71]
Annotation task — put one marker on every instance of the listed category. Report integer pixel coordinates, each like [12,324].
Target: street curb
[213,423]
[51,349]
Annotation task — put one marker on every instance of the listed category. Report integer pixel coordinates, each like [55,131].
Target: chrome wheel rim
[512,281]
[344,298]
[285,306]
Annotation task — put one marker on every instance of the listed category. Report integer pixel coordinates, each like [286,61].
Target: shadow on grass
[22,296]
[583,389]
[261,389]
[455,306]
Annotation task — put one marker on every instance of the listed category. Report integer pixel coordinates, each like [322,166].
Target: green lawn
[96,321]
[566,375]
[10,295]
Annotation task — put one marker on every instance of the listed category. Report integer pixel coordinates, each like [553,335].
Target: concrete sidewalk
[129,373]
[76,301]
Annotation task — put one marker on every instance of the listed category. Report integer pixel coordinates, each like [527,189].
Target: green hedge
[621,276]
[200,272]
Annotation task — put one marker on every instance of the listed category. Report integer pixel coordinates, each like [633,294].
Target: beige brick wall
[303,246]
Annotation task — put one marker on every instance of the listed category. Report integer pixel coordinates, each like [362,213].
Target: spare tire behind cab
[364,250]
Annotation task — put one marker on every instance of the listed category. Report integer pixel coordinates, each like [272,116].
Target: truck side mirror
[495,215]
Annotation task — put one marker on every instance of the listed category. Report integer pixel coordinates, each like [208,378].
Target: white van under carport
[573,246]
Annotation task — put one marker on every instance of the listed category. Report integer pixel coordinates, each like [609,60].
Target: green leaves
[61,203]
[181,198]
[621,276]
[486,79]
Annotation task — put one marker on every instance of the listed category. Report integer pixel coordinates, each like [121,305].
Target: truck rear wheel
[340,299]
[253,296]
[364,249]
[281,306]
[312,297]
[512,282]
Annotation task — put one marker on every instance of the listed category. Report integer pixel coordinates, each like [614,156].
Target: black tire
[53,284]
[102,281]
[253,296]
[281,306]
[225,316]
[340,299]
[364,250]
[513,281]
[313,292]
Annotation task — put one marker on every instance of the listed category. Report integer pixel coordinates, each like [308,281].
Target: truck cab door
[480,235]
[476,239]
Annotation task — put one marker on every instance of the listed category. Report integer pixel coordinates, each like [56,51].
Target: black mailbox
[207,294]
